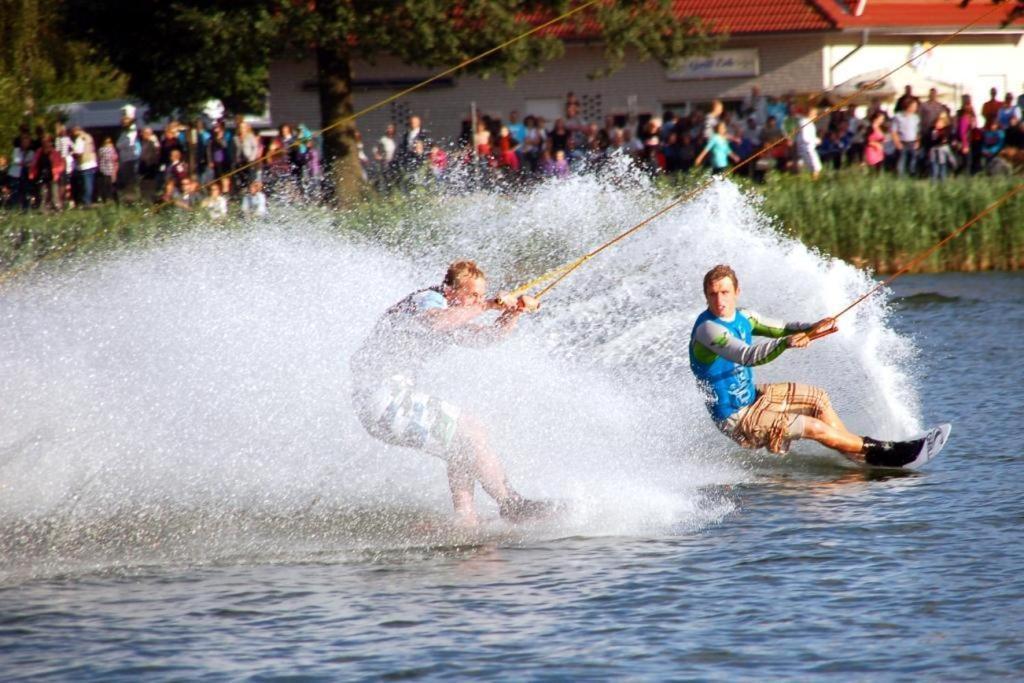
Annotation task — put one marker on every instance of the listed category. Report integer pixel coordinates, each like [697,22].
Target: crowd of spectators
[918,138]
[196,168]
[185,165]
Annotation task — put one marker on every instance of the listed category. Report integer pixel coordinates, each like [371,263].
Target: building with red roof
[781,47]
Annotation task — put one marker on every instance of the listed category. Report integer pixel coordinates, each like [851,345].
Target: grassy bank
[879,222]
[28,238]
[882,222]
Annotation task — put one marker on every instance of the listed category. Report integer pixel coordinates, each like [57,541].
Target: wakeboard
[923,449]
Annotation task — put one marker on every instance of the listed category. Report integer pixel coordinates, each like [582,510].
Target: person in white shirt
[384,152]
[906,137]
[63,143]
[712,118]
[807,142]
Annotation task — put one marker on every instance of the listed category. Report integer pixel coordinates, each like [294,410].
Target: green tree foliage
[40,67]
[180,53]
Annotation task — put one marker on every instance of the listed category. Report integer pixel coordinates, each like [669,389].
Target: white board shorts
[398,414]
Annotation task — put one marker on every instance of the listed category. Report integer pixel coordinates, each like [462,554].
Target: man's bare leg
[461,482]
[483,463]
[831,418]
[835,437]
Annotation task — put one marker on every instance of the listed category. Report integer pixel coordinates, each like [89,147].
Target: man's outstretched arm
[454,318]
[711,339]
[474,335]
[763,326]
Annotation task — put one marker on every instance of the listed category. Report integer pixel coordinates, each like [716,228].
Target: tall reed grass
[883,221]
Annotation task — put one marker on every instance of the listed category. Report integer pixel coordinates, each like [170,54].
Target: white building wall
[787,63]
[973,63]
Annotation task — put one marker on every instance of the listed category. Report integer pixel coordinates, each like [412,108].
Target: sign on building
[720,64]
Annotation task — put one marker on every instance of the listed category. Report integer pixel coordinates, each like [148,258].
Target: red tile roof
[917,13]
[753,16]
[732,16]
[738,17]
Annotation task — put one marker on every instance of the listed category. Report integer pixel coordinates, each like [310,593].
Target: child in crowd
[177,169]
[216,204]
[107,184]
[438,162]
[255,202]
[561,165]
[191,196]
[719,149]
[940,151]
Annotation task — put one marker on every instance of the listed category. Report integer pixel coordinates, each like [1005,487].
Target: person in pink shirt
[47,169]
[874,149]
[966,124]
[438,161]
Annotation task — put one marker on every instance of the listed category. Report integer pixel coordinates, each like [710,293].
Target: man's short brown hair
[460,271]
[717,273]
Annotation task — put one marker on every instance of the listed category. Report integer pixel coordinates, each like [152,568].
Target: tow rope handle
[824,330]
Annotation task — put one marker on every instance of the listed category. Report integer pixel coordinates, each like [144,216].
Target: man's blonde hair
[460,271]
[717,273]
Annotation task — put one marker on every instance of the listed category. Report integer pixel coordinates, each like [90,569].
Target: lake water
[186,497]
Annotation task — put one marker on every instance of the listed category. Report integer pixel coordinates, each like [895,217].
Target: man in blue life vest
[393,409]
[770,416]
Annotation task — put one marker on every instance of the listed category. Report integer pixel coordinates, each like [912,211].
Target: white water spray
[209,374]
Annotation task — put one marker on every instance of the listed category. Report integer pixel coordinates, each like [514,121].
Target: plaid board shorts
[399,415]
[775,418]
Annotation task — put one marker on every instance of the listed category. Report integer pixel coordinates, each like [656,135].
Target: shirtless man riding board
[395,409]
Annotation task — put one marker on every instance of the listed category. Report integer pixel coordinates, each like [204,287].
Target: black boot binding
[890,453]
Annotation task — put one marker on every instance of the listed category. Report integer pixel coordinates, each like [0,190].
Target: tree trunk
[341,152]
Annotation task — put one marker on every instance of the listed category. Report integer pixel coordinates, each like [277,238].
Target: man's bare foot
[468,521]
[516,509]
